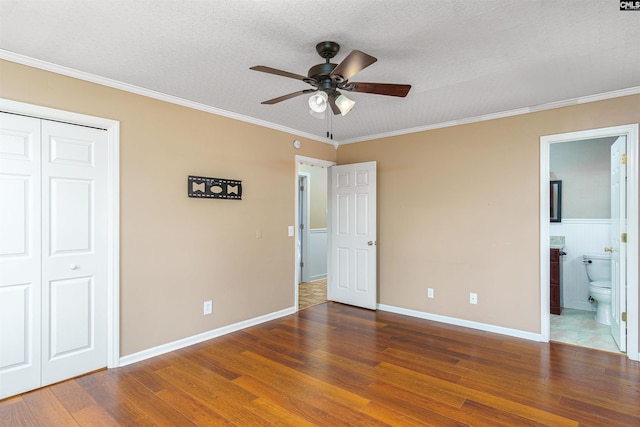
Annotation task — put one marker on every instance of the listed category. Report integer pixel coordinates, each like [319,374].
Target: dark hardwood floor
[333,365]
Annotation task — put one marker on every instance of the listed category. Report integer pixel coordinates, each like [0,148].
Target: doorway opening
[311,231]
[584,170]
[586,228]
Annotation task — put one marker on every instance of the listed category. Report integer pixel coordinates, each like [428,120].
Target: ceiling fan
[329,79]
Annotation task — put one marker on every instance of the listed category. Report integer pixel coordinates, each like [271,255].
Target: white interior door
[618,255]
[56,287]
[352,237]
[20,258]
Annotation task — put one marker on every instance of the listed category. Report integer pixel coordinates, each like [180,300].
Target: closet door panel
[71,217]
[20,256]
[74,246]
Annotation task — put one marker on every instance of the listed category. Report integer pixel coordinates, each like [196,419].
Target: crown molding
[70,72]
[81,75]
[502,114]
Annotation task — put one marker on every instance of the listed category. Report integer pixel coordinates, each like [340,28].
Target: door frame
[303,236]
[112,128]
[313,162]
[633,152]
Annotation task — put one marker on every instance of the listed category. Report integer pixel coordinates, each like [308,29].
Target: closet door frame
[113,206]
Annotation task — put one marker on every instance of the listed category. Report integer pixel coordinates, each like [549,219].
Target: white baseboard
[317,277]
[195,339]
[461,322]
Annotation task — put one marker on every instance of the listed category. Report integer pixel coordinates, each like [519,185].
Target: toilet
[599,272]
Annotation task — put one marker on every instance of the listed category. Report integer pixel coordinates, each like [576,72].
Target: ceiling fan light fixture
[318,102]
[317,115]
[344,104]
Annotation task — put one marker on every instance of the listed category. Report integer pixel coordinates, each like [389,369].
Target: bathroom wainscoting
[317,262]
[582,236]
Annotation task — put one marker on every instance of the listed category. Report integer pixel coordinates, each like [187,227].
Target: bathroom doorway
[582,161]
[584,168]
[311,231]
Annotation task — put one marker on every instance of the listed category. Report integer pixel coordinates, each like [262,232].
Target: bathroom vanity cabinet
[554,282]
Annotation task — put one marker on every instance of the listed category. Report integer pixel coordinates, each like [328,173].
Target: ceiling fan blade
[355,62]
[277,72]
[289,96]
[334,107]
[380,88]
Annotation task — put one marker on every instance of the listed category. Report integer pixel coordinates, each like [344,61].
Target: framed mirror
[555,202]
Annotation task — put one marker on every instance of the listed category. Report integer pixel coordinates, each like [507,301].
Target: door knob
[371,243]
[73,267]
[608,250]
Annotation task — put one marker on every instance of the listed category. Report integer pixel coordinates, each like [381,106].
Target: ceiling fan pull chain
[327,115]
[331,124]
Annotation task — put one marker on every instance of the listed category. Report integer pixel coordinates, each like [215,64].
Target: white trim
[545,243]
[306,222]
[461,322]
[586,221]
[81,75]
[113,246]
[633,156]
[314,162]
[113,207]
[633,216]
[195,339]
[502,114]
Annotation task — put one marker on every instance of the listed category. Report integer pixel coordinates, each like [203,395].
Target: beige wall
[317,196]
[177,252]
[458,211]
[584,167]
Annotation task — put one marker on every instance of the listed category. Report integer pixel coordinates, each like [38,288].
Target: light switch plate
[473,298]
[208,307]
[291,231]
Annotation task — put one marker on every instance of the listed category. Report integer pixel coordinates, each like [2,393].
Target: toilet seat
[605,284]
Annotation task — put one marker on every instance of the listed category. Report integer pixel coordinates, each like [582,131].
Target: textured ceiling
[464,59]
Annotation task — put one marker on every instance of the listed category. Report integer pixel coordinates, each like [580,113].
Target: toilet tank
[598,266]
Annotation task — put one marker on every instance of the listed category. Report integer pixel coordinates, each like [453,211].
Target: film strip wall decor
[214,188]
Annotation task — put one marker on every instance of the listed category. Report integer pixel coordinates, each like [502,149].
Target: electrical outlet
[208,307]
[430,293]
[473,298]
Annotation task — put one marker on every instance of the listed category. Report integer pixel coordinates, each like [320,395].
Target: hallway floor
[311,293]
[578,327]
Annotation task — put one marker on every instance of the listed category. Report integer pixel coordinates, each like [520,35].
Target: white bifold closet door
[53,260]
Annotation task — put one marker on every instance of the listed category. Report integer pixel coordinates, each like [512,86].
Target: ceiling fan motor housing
[320,77]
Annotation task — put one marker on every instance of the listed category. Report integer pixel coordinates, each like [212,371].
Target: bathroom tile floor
[578,327]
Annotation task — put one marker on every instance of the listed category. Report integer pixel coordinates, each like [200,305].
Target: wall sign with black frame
[214,188]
